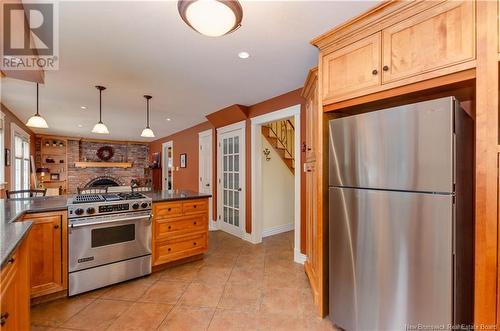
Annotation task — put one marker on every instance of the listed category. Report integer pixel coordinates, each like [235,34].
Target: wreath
[105,153]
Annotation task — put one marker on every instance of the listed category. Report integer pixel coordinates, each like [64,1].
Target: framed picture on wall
[184,160]
[7,157]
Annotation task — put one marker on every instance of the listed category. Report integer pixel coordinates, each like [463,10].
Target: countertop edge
[11,249]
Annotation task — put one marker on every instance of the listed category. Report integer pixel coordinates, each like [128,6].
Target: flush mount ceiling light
[37,121]
[100,127]
[243,55]
[212,18]
[147,132]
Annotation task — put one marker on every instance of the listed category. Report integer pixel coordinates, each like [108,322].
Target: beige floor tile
[187,319]
[141,316]
[247,275]
[220,260]
[230,320]
[250,261]
[43,328]
[213,275]
[183,273]
[280,322]
[164,291]
[130,291]
[241,297]
[97,316]
[202,295]
[57,312]
[283,301]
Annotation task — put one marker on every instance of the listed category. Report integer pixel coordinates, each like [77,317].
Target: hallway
[237,286]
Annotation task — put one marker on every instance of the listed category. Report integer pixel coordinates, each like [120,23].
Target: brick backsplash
[87,151]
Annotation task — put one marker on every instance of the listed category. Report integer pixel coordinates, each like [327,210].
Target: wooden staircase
[280,135]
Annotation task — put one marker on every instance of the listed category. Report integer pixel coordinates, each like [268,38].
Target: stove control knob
[144,205]
[90,210]
[79,211]
[135,206]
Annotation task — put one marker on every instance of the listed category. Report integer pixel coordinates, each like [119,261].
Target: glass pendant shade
[100,128]
[147,133]
[212,18]
[37,121]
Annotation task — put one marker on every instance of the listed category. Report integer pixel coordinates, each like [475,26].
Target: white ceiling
[136,48]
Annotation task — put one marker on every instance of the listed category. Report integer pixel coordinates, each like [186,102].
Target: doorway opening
[266,176]
[167,182]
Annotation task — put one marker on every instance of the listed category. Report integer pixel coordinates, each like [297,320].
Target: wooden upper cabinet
[351,69]
[310,94]
[47,253]
[439,37]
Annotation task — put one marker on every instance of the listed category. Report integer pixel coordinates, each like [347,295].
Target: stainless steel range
[109,239]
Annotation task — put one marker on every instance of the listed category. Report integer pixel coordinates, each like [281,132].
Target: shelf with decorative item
[103,164]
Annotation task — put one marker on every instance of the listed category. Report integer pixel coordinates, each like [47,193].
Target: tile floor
[237,286]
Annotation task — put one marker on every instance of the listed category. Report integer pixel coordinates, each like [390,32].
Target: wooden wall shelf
[103,164]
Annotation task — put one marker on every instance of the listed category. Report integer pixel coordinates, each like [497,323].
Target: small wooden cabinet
[180,230]
[48,251]
[425,40]
[15,291]
[353,68]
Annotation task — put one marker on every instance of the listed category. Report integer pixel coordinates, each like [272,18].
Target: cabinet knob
[385,68]
[56,226]
[169,249]
[374,72]
[11,260]
[194,222]
[194,243]
[3,318]
[169,227]
[194,206]
[169,209]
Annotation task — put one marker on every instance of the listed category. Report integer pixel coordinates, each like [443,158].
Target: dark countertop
[12,233]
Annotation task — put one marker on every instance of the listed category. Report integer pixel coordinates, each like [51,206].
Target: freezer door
[391,259]
[407,148]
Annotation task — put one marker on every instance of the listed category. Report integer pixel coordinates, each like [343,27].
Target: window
[21,161]
[2,150]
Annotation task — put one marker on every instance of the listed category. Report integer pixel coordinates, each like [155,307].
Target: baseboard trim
[277,229]
[298,257]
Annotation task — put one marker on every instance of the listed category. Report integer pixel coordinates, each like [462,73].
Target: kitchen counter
[12,233]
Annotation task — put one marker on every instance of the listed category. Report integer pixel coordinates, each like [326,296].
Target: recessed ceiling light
[168,119]
[243,55]
[80,126]
[83,107]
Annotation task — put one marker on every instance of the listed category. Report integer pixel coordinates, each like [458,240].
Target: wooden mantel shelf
[103,164]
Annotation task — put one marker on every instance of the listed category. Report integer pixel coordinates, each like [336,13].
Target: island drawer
[181,247]
[168,228]
[195,206]
[167,209]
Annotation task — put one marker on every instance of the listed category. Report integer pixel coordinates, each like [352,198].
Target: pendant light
[212,18]
[37,121]
[147,132]
[100,127]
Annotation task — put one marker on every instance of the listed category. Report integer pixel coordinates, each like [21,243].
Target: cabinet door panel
[351,69]
[311,122]
[438,37]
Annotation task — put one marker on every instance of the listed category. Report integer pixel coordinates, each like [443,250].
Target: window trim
[17,130]
[2,150]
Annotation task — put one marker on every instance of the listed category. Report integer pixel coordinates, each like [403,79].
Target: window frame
[16,130]
[2,150]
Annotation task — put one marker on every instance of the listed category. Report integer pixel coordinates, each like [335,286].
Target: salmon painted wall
[8,120]
[186,141]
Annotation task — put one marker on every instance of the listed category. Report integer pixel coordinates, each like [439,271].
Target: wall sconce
[266,153]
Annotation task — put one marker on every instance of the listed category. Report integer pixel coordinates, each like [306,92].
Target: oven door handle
[112,221]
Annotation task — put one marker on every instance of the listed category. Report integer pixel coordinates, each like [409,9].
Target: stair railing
[284,133]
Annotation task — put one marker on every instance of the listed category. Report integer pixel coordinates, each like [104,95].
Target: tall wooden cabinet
[313,265]
[48,251]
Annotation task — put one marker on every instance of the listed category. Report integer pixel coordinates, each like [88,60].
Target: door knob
[239,189]
[208,185]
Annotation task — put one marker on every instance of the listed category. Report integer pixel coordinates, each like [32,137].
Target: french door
[231,179]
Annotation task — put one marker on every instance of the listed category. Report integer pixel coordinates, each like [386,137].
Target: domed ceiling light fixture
[100,127]
[37,121]
[212,18]
[147,132]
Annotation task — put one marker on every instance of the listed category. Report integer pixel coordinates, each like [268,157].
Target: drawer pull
[374,72]
[169,249]
[169,209]
[56,226]
[194,222]
[11,260]
[194,206]
[194,243]
[169,227]
[3,318]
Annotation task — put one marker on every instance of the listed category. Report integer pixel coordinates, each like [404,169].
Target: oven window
[113,235]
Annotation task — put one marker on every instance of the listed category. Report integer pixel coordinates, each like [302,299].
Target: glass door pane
[231,178]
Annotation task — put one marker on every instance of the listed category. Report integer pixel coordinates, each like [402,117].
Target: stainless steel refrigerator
[401,217]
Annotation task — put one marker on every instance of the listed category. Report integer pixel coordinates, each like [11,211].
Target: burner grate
[84,198]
